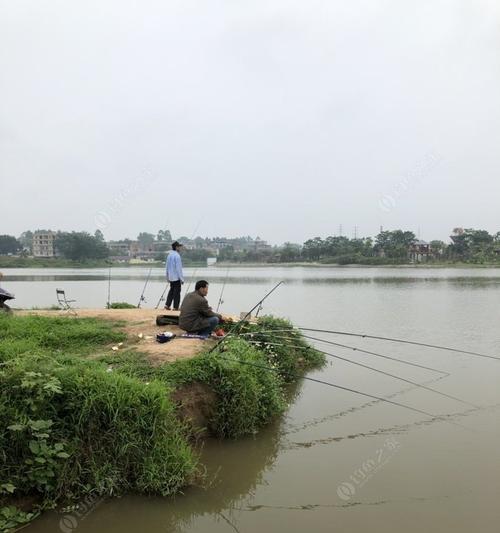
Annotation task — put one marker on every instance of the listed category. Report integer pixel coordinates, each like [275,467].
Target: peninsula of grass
[77,419]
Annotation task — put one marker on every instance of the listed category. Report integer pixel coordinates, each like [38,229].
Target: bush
[121,305]
[284,347]
[69,429]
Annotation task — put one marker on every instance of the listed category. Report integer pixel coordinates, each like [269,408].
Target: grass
[74,421]
[28,335]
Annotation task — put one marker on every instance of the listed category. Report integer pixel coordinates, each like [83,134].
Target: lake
[337,461]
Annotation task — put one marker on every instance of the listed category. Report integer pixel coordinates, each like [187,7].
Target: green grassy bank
[75,420]
[59,262]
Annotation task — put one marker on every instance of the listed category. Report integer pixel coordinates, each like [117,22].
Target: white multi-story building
[43,244]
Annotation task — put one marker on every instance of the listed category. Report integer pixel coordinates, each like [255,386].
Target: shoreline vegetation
[79,420]
[389,248]
[32,262]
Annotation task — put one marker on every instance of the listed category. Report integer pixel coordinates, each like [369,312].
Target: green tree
[289,252]
[394,244]
[9,245]
[146,238]
[79,246]
[26,240]
[438,248]
[314,249]
[473,245]
[164,236]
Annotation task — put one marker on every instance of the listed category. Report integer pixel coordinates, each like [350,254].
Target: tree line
[467,245]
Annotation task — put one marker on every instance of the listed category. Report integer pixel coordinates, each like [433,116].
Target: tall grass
[72,424]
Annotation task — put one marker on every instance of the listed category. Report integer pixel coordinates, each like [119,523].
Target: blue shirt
[174,266]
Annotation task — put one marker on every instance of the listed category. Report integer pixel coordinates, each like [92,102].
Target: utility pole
[340,230]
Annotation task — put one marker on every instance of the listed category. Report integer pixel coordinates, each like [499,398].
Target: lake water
[336,461]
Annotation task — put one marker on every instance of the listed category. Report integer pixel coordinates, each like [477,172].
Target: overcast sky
[281,119]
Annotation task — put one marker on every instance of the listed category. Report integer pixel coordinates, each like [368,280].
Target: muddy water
[336,461]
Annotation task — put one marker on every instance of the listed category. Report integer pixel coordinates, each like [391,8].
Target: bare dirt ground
[141,329]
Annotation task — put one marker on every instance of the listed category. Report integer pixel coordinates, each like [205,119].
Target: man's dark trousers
[174,294]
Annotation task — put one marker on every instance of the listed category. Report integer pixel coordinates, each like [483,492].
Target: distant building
[44,244]
[119,250]
[419,251]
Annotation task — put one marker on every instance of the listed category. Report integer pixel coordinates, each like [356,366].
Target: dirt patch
[196,403]
[141,329]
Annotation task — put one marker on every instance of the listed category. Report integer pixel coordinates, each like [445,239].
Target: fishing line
[317,421]
[298,329]
[400,379]
[347,389]
[391,376]
[403,341]
[442,372]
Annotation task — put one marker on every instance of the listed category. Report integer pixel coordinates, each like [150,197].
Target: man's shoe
[168,308]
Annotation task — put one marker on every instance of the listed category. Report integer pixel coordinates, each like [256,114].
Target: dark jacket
[195,312]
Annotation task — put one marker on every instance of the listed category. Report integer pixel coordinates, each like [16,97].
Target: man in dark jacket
[196,315]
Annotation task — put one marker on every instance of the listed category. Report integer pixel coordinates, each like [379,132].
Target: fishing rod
[364,336]
[108,305]
[258,304]
[191,281]
[402,341]
[409,363]
[340,387]
[162,297]
[242,320]
[221,301]
[394,376]
[142,298]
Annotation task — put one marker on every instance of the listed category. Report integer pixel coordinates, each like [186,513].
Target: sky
[280,119]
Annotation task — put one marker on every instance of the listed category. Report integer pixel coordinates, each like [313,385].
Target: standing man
[196,315]
[175,276]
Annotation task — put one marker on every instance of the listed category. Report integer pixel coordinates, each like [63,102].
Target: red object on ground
[220,332]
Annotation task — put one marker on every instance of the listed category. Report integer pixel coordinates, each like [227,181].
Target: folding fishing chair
[64,303]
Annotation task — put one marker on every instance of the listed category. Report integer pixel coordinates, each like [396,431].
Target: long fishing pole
[364,336]
[234,329]
[221,301]
[142,298]
[109,289]
[162,297]
[336,386]
[259,303]
[402,341]
[409,363]
[191,281]
[394,376]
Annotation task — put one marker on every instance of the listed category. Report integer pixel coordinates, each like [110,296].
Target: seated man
[196,315]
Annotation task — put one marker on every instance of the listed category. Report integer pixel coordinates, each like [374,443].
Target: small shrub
[121,305]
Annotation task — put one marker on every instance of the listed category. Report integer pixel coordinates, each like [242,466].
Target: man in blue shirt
[175,276]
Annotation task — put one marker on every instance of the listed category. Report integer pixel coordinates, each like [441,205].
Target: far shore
[45,264]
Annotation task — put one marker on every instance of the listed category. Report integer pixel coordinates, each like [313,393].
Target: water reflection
[234,470]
